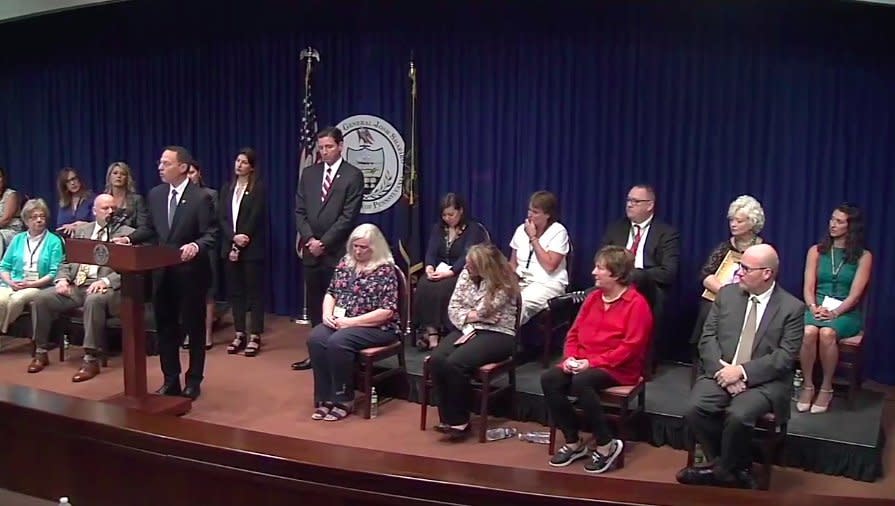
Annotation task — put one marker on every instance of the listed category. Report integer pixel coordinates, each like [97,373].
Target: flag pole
[411,199]
[308,55]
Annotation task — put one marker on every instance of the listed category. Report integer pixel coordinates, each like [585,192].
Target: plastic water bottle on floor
[539,437]
[374,403]
[500,433]
[698,455]
[63,501]
[797,381]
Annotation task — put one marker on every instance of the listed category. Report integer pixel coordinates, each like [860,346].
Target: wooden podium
[132,262]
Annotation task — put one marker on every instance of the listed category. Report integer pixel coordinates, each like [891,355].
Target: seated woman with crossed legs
[360,310]
[606,346]
[483,306]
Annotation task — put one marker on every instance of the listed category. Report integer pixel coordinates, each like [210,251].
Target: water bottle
[698,455]
[797,381]
[500,433]
[539,437]
[63,501]
[374,403]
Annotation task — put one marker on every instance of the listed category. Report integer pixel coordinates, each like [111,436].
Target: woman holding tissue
[837,271]
[483,306]
[449,241]
[606,346]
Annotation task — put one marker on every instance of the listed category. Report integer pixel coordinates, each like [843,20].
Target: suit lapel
[161,209]
[739,318]
[178,212]
[332,187]
[652,236]
[769,314]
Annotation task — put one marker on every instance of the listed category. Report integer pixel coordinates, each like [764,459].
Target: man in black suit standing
[655,245]
[327,202]
[181,215]
[749,343]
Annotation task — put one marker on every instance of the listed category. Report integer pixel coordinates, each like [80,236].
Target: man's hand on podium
[188,251]
[122,240]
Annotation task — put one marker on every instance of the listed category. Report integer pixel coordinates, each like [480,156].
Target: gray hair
[749,206]
[381,252]
[35,205]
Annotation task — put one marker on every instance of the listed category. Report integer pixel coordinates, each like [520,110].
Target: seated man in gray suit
[750,340]
[94,287]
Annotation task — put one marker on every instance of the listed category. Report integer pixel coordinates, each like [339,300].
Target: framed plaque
[727,273]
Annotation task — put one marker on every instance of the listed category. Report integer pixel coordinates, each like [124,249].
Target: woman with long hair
[121,186]
[75,201]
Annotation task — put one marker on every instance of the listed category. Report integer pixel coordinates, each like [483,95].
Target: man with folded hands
[93,287]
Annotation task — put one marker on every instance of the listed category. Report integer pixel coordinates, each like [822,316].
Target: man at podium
[93,287]
[181,215]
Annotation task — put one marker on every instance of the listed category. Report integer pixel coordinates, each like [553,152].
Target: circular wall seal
[375,147]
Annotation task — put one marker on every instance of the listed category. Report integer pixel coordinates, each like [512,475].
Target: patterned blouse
[717,256]
[499,312]
[361,292]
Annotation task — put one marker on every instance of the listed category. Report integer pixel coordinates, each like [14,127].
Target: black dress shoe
[169,388]
[696,476]
[442,427]
[302,365]
[192,391]
[745,479]
[457,435]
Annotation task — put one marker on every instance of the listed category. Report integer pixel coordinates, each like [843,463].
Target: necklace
[833,263]
[619,296]
[745,245]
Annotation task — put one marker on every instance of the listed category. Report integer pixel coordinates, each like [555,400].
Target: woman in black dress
[449,242]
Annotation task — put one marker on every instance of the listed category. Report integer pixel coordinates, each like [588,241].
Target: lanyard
[36,249]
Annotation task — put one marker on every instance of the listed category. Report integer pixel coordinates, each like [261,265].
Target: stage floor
[263,394]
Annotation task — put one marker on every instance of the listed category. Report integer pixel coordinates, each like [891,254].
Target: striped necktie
[327,183]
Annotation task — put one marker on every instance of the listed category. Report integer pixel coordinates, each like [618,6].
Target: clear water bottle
[539,437]
[698,455]
[374,403]
[500,433]
[63,501]
[797,381]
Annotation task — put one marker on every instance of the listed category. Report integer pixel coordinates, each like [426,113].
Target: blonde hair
[131,187]
[490,264]
[381,253]
[751,207]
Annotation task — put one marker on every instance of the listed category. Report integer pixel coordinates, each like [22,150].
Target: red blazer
[616,340]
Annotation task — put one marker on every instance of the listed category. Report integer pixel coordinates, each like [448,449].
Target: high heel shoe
[822,408]
[803,406]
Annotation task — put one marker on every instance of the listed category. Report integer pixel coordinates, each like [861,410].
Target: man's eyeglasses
[746,269]
[637,201]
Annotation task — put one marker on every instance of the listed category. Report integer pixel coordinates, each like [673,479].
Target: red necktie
[327,182]
[636,243]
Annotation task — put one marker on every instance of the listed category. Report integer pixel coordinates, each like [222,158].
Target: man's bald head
[103,207]
[767,255]
[758,268]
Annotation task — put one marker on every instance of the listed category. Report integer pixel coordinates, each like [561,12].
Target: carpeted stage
[263,395]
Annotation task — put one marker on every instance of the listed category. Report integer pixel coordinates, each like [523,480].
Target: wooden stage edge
[102,454]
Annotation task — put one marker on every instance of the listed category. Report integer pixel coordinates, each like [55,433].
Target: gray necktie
[172,207]
[747,337]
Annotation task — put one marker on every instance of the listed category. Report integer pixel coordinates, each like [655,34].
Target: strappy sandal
[254,346]
[238,344]
[322,411]
[338,412]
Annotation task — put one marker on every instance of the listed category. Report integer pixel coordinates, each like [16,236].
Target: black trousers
[586,385]
[452,368]
[333,354]
[317,278]
[723,424]
[245,280]
[179,304]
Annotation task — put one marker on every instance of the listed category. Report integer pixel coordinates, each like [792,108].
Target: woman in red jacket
[606,347]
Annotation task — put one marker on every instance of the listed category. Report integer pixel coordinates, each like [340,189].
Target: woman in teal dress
[836,274]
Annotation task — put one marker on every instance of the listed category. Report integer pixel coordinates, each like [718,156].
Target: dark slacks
[333,353]
[179,304]
[723,424]
[317,278]
[452,368]
[245,279]
[558,386]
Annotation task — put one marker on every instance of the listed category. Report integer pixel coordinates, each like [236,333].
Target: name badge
[31,276]
[339,312]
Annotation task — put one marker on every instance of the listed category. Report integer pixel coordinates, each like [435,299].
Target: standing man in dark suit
[327,202]
[181,214]
[656,248]
[749,343]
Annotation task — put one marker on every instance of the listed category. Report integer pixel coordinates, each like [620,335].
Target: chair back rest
[485,231]
[646,287]
[403,301]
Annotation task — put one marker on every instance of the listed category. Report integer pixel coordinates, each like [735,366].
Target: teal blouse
[51,257]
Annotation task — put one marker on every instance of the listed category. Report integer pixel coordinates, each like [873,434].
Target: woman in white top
[540,246]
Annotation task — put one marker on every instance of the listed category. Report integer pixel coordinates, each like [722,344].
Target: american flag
[309,154]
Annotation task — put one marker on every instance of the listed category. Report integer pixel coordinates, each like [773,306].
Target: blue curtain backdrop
[790,103]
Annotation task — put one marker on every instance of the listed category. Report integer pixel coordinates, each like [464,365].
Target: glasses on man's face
[635,202]
[746,269]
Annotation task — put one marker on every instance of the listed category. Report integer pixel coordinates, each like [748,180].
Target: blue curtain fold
[790,103]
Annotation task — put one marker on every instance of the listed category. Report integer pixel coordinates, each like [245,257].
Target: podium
[132,262]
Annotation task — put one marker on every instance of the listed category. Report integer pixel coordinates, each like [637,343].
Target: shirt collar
[179,188]
[764,297]
[644,224]
[334,167]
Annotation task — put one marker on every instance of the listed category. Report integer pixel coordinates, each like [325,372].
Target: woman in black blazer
[195,175]
[243,219]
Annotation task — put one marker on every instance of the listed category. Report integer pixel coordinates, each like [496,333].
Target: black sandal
[238,344]
[254,346]
[338,412]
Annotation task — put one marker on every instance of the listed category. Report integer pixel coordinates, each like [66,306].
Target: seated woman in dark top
[449,241]
[745,217]
[360,310]
[120,185]
[75,202]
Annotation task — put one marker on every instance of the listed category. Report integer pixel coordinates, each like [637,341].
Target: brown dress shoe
[87,371]
[38,363]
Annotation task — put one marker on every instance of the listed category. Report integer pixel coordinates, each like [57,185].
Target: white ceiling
[15,9]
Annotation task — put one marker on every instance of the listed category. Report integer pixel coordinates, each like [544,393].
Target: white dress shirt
[644,230]
[332,175]
[238,193]
[763,299]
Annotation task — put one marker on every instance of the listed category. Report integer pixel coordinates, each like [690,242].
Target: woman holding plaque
[837,271]
[745,217]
